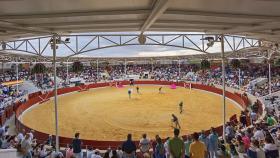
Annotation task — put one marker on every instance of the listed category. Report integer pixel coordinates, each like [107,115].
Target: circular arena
[103,112]
[108,114]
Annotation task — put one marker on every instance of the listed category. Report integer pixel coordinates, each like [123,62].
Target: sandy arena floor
[108,113]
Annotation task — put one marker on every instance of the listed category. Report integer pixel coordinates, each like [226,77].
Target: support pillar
[55,93]
[17,74]
[224,86]
[269,77]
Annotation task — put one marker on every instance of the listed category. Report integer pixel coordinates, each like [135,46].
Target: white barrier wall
[8,153]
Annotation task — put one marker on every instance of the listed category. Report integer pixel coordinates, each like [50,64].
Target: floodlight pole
[224,86]
[55,93]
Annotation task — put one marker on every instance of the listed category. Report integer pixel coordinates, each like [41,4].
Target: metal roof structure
[257,19]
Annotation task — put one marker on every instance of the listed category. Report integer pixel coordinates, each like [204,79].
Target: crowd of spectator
[187,72]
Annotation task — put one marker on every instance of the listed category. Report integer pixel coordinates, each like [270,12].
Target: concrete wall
[9,153]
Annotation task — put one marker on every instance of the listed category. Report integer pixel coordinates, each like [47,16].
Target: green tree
[39,68]
[235,63]
[205,64]
[77,67]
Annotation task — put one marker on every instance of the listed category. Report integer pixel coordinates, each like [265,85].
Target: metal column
[17,73]
[125,70]
[35,73]
[239,78]
[179,67]
[224,86]
[55,94]
[269,77]
[152,62]
[97,71]
[67,71]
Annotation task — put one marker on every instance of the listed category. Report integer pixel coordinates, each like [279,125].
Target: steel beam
[158,10]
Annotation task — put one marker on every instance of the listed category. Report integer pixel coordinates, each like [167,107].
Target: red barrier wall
[39,97]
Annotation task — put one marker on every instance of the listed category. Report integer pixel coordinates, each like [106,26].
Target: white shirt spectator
[43,153]
[144,144]
[259,135]
[20,137]
[96,156]
[270,147]
[90,153]
[26,145]
[119,153]
[166,148]
[56,154]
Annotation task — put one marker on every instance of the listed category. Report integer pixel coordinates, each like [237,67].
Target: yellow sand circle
[108,113]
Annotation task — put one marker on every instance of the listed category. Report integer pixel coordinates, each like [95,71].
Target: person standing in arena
[175,122]
[181,107]
[129,93]
[160,90]
[137,89]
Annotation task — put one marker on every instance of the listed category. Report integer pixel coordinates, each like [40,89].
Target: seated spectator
[43,152]
[240,145]
[96,154]
[223,153]
[259,134]
[252,151]
[232,150]
[270,120]
[246,141]
[270,148]
[4,130]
